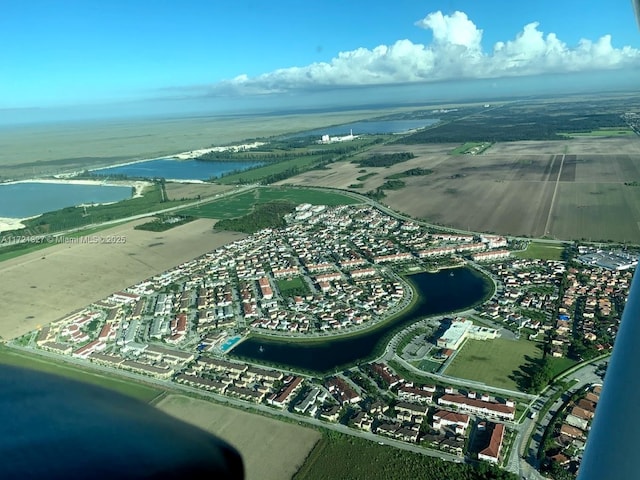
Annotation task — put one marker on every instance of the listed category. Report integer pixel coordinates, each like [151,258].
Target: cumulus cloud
[455,52]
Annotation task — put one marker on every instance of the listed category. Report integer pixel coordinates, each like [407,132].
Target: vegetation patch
[349,458]
[74,217]
[385,159]
[514,122]
[413,172]
[165,222]
[393,185]
[234,206]
[266,215]
[496,362]
[286,159]
[291,287]
[543,251]
[362,178]
[560,364]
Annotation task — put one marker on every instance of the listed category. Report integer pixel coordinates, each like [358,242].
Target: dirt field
[271,450]
[584,145]
[42,286]
[178,191]
[344,174]
[511,188]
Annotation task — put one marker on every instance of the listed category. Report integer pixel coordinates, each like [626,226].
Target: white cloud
[455,53]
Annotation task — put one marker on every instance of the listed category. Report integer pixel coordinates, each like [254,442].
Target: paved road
[585,375]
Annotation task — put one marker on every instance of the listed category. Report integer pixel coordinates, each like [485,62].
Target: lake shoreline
[16,223]
[435,295]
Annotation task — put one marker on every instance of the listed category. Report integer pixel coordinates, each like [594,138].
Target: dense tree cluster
[412,172]
[266,215]
[541,374]
[509,124]
[385,159]
[161,224]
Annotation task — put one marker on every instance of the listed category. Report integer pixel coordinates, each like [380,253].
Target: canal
[437,293]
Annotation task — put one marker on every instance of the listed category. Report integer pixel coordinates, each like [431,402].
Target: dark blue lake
[27,199]
[439,293]
[373,127]
[173,169]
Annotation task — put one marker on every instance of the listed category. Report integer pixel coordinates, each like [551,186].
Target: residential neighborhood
[335,270]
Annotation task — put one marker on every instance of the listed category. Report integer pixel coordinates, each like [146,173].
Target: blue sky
[75,52]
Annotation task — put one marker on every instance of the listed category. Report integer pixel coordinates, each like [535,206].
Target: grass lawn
[542,251]
[494,362]
[428,366]
[238,205]
[127,387]
[292,286]
[559,365]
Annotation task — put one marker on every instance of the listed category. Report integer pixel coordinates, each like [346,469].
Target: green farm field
[494,362]
[542,251]
[237,205]
[339,456]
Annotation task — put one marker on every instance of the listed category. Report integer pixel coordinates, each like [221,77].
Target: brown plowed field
[510,188]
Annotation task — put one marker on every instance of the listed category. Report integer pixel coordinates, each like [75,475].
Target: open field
[43,286]
[241,204]
[271,449]
[494,362]
[475,148]
[566,197]
[602,132]
[542,251]
[344,174]
[567,189]
[289,287]
[132,388]
[178,191]
[578,146]
[28,150]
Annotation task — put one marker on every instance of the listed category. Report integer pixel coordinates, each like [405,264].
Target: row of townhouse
[502,411]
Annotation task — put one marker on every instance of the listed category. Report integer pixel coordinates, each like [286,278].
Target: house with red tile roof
[492,452]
